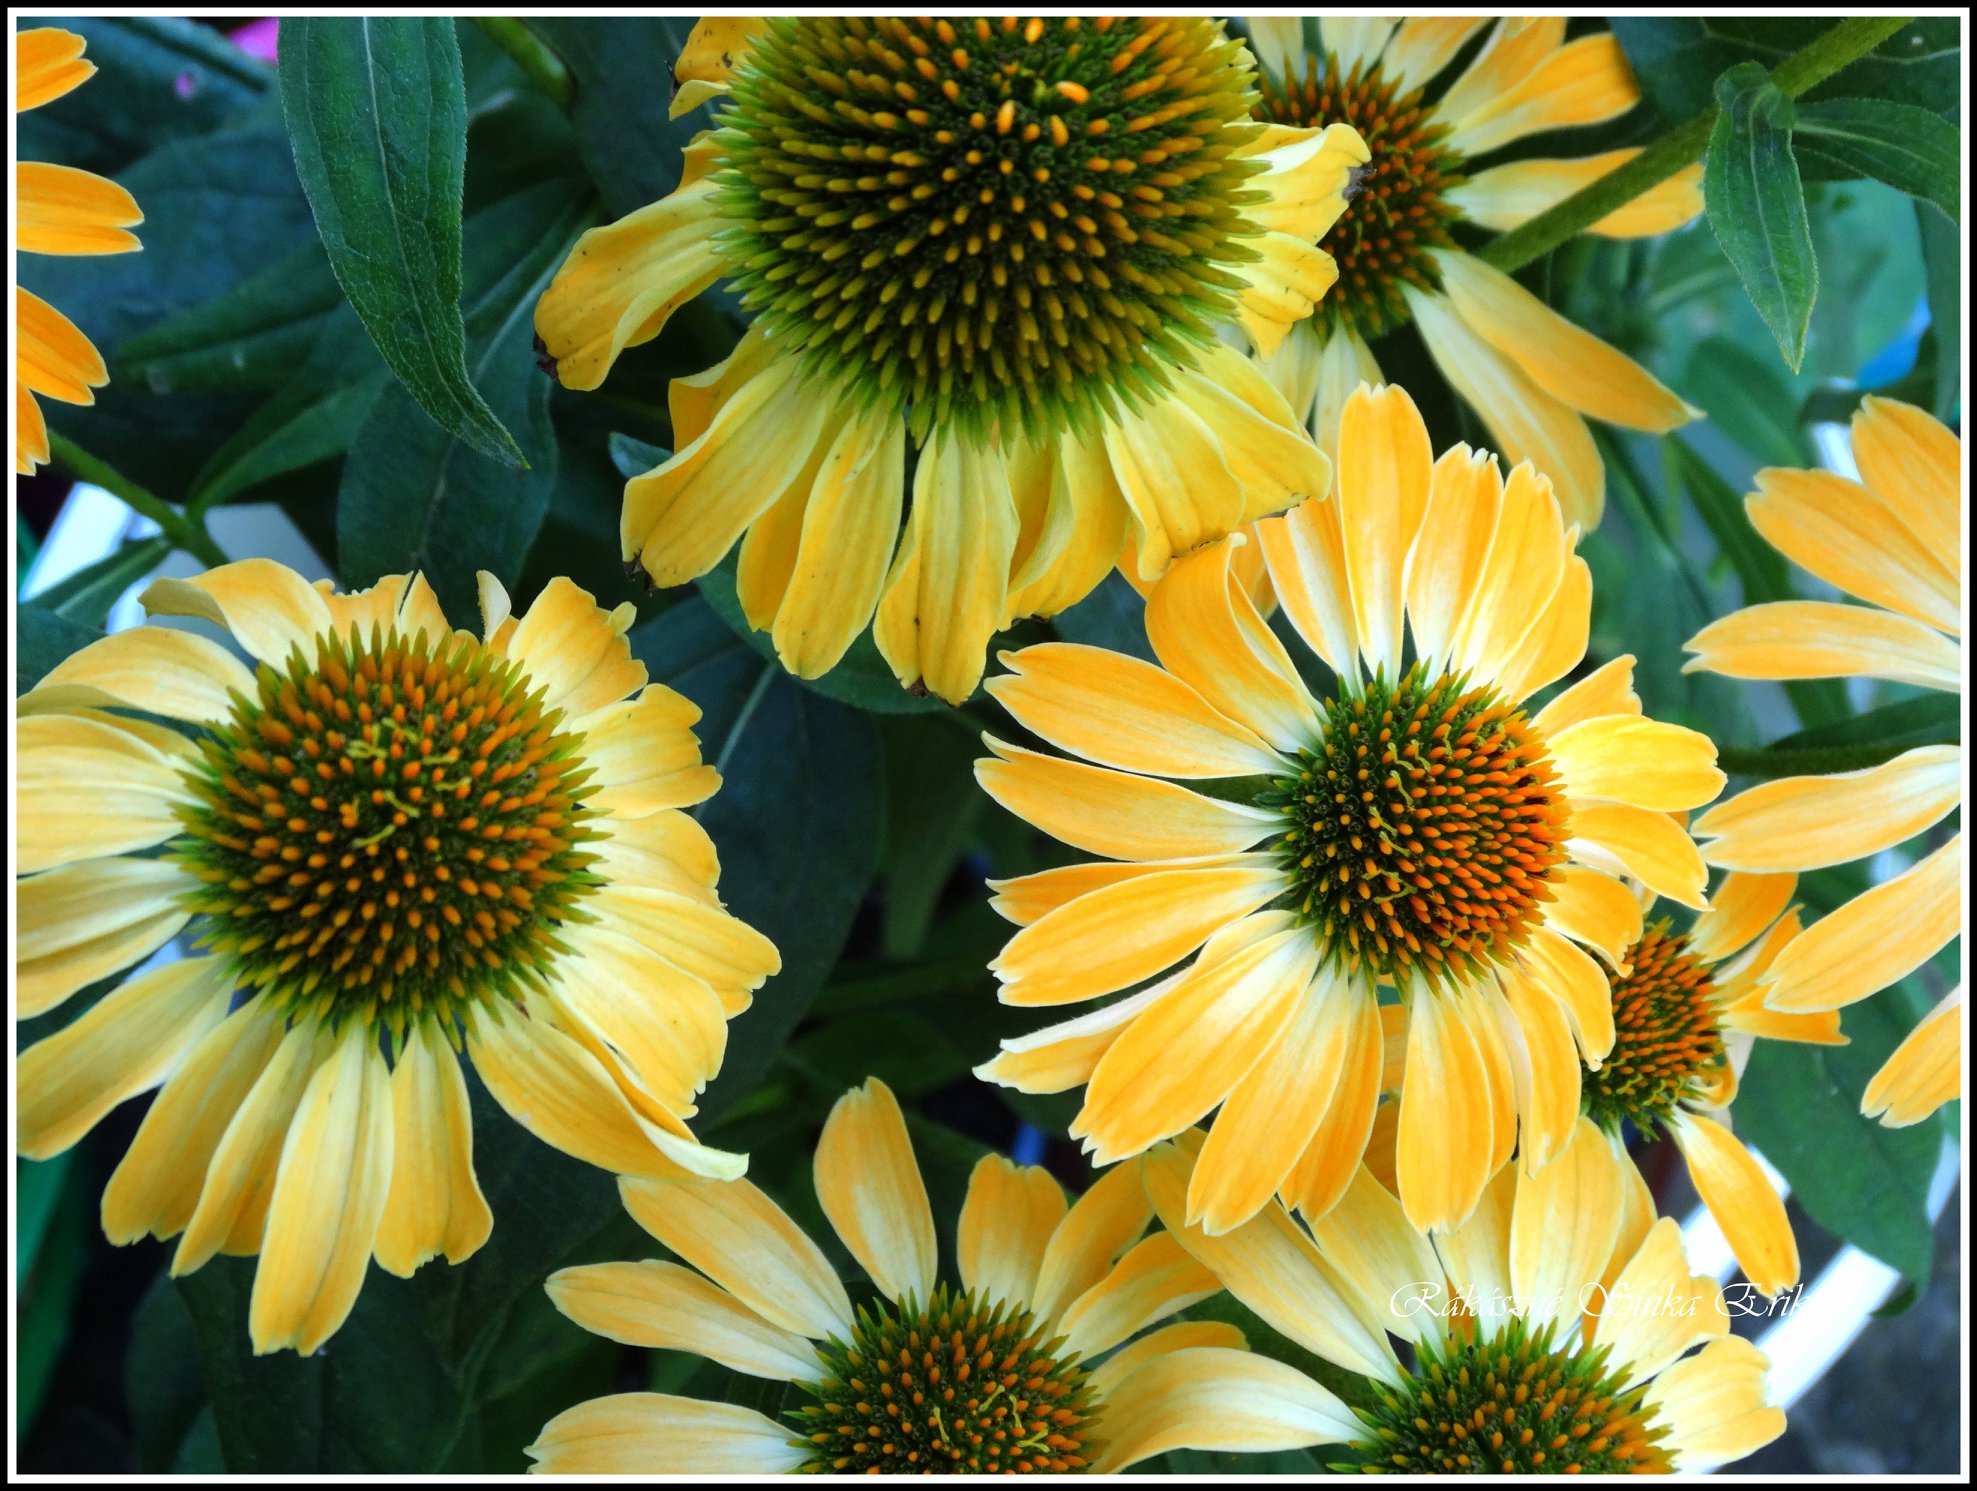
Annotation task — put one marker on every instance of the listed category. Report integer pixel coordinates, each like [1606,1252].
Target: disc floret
[1422,828]
[1504,1400]
[961,1385]
[1398,211]
[1666,1035]
[389,827]
[991,223]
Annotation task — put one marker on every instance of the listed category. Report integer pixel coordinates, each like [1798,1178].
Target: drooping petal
[1875,939]
[1926,1070]
[1447,1115]
[1176,481]
[268,608]
[1739,1195]
[1368,1240]
[665,1307]
[435,1205]
[1563,1226]
[647,1434]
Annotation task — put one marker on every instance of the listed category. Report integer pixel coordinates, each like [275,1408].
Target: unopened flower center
[389,827]
[1025,221]
[1504,1402]
[959,1387]
[1397,211]
[1422,828]
[1665,1035]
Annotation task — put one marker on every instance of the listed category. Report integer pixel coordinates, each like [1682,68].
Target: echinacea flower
[1533,376]
[1423,829]
[393,842]
[1894,539]
[986,262]
[1685,1014]
[1550,1334]
[58,210]
[1028,1359]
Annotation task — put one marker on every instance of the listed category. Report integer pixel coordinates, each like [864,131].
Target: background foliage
[332,314]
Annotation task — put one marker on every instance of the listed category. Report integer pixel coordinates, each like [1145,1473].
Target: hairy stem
[532,55]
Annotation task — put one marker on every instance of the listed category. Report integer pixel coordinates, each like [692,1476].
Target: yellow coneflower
[1894,539]
[1685,1014]
[58,210]
[393,841]
[994,254]
[1424,830]
[1033,1362]
[1531,374]
[1550,1334]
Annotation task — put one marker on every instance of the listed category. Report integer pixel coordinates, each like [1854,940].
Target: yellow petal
[1630,759]
[1825,639]
[127,1043]
[736,1235]
[1423,45]
[1329,1162]
[1006,1224]
[329,1194]
[53,357]
[157,670]
[1385,471]
[1580,987]
[1476,1255]
[1184,1055]
[869,1185]
[644,756]
[696,938]
[1739,912]
[1651,846]
[1925,1071]
[1272,1266]
[622,282]
[1530,554]
[1026,898]
[87,788]
[1583,82]
[61,210]
[1118,935]
[575,651]
[1573,366]
[1607,690]
[1913,463]
[1563,1227]
[435,1205]
[85,921]
[1306,175]
[1124,712]
[1356,41]
[1100,1226]
[269,609]
[1121,1364]
[647,1434]
[1556,642]
[1735,1189]
[1083,529]
[1874,940]
[1305,551]
[48,62]
[1266,451]
[664,1307]
[1175,478]
[1272,1115]
[1114,813]
[232,1215]
[667,1028]
[1594,909]
[945,596]
[1212,1398]
[1155,1279]
[1657,1309]
[1447,1114]
[1281,286]
[1451,551]
[1847,536]
[714,48]
[157,1185]
[1508,196]
[1368,1240]
[1714,1407]
[1525,422]
[850,523]
[1544,1066]
[1807,823]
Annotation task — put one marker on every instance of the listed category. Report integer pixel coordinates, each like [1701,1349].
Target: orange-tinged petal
[1305,552]
[1847,536]
[1913,463]
[1156,1278]
[1508,196]
[1594,909]
[869,1185]
[1447,1114]
[49,63]
[1739,1195]
[1652,847]
[1583,82]
[62,210]
[55,359]
[1926,1070]
[1739,911]
[1825,639]
[1386,470]
[1445,566]
[1875,939]
[1807,823]
[1330,1160]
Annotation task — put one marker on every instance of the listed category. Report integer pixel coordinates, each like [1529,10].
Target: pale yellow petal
[1607,690]
[1100,1226]
[1423,45]
[1914,463]
[1652,846]
[1530,554]
[1563,1226]
[86,787]
[1926,1070]
[1583,82]
[695,937]
[1508,196]
[1385,471]
[1156,1278]
[1330,1160]
[1447,1114]
[1175,478]
[869,1185]
[1368,1239]
[1739,1195]
[1515,49]
[1580,987]
[435,1206]
[644,755]
[1544,1065]
[1875,939]
[575,651]
[1807,823]
[1657,1309]
[1062,1056]
[1305,551]
[82,922]
[1826,639]
[1556,642]
[1212,1398]
[1714,1405]
[1631,759]
[664,1307]
[656,1434]
[1121,1364]
[268,608]
[1739,911]
[1006,1224]
[1848,537]
[1594,909]
[1446,564]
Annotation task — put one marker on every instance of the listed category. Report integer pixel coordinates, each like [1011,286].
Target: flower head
[1552,1333]
[59,210]
[993,254]
[1893,539]
[389,842]
[1031,1359]
[1532,375]
[1419,832]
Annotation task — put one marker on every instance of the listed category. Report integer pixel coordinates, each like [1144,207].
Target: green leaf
[87,595]
[622,66]
[1942,258]
[377,111]
[1749,398]
[1931,719]
[43,639]
[1113,617]
[1757,204]
[163,1383]
[1910,149]
[932,806]
[249,336]
[416,497]
[46,1292]
[1863,1182]
[158,79]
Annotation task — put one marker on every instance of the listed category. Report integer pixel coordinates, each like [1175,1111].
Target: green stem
[532,55]
[1768,762]
[1810,65]
[187,533]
